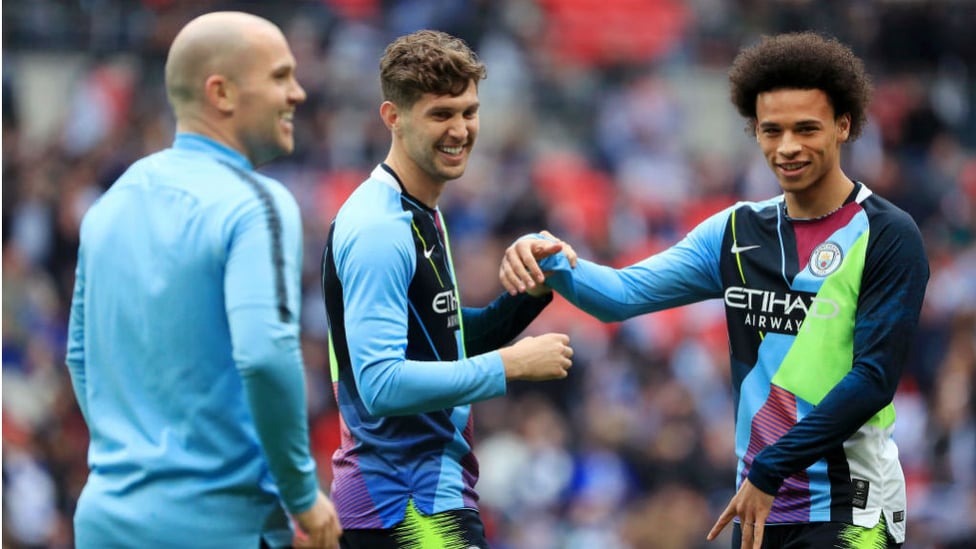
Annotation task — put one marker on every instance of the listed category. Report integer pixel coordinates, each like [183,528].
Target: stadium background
[606,121]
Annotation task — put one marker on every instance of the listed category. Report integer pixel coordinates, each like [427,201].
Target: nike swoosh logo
[739,249]
[427,253]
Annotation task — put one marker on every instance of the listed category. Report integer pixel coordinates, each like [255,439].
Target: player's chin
[453,171]
[793,185]
[286,145]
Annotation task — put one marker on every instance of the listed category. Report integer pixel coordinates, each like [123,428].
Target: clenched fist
[538,358]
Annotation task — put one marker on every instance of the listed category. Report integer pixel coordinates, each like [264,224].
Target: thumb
[545,248]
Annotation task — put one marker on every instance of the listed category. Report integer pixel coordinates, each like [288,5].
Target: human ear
[844,127]
[221,93]
[390,116]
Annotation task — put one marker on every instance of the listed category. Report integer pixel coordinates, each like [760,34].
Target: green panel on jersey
[859,537]
[829,341]
[333,363]
[439,531]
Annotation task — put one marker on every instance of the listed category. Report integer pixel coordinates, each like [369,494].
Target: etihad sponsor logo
[781,312]
[444,302]
[786,303]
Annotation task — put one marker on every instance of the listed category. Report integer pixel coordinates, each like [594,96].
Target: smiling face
[433,139]
[267,94]
[800,138]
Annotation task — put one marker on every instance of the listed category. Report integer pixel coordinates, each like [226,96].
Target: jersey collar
[195,142]
[385,173]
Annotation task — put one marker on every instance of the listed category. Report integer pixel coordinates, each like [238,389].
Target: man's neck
[201,126]
[819,201]
[417,183]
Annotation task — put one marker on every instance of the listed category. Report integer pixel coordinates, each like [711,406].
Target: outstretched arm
[685,273]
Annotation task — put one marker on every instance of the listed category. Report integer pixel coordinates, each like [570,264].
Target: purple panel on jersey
[771,422]
[349,489]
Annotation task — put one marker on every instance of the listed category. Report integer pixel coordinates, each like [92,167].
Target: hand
[320,524]
[752,506]
[568,250]
[520,271]
[538,358]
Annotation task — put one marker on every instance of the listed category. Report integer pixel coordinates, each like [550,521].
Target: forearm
[78,385]
[613,295]
[489,328]
[270,364]
[75,352]
[394,386]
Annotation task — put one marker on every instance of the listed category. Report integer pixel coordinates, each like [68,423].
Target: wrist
[765,478]
[509,363]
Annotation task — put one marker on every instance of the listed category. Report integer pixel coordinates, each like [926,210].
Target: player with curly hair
[822,286]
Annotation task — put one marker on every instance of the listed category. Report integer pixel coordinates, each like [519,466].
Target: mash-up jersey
[406,358]
[820,315]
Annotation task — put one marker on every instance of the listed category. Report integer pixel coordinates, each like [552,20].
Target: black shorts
[456,529]
[818,535]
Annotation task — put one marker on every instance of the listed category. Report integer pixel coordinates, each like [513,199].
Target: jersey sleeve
[491,327]
[893,287]
[75,354]
[262,292]
[685,273]
[376,262]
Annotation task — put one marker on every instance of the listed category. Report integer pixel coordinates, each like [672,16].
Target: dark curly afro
[805,61]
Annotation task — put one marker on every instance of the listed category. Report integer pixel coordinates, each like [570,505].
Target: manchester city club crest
[825,259]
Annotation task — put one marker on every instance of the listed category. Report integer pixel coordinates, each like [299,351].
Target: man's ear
[843,127]
[390,115]
[220,93]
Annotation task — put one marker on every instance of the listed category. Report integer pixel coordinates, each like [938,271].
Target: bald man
[184,332]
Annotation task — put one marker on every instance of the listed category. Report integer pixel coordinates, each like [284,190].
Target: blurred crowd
[605,121]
